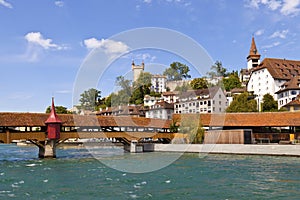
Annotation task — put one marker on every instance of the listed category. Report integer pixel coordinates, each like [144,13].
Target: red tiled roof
[207,91]
[292,84]
[38,119]
[169,93]
[280,68]
[162,105]
[238,90]
[275,119]
[295,102]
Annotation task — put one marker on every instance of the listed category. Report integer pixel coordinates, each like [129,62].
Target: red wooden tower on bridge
[53,124]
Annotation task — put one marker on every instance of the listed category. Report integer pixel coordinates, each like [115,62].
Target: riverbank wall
[241,149]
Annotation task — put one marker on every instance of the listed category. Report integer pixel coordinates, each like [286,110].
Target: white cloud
[37,38]
[107,45]
[59,3]
[144,56]
[280,34]
[274,5]
[64,92]
[6,4]
[271,45]
[290,7]
[285,7]
[259,32]
[271,4]
[147,1]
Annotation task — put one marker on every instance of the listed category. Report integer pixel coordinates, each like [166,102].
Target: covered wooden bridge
[265,126]
[31,126]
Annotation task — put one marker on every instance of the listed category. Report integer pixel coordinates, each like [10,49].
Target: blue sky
[44,43]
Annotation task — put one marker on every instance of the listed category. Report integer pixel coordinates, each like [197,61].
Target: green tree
[90,99]
[59,110]
[242,103]
[269,104]
[121,98]
[231,82]
[144,79]
[141,87]
[199,83]
[217,70]
[138,94]
[177,71]
[192,126]
[124,84]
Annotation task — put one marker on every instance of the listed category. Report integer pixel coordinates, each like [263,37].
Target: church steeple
[253,59]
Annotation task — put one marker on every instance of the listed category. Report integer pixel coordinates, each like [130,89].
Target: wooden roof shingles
[38,119]
[273,119]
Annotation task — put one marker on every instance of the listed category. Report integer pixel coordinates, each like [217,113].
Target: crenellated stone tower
[137,70]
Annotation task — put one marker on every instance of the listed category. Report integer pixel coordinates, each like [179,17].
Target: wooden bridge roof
[273,119]
[38,119]
[225,119]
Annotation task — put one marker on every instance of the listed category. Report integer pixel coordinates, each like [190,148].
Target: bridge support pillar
[8,137]
[133,146]
[47,149]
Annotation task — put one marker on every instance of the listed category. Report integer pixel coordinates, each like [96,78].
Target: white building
[270,76]
[170,97]
[158,83]
[161,110]
[288,91]
[150,101]
[212,100]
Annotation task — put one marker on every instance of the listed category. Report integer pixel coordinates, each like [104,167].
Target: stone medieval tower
[137,69]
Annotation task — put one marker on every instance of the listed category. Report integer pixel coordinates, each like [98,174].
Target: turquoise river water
[76,174]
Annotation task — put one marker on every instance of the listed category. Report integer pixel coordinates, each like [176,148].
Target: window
[220,96]
[204,102]
[213,102]
[208,103]
[293,92]
[214,109]
[220,102]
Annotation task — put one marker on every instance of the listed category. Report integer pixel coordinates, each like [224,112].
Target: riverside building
[212,100]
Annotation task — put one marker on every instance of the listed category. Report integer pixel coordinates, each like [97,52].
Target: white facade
[287,96]
[160,110]
[170,97]
[261,82]
[150,101]
[158,83]
[202,102]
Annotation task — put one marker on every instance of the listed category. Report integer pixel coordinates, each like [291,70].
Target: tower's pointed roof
[53,118]
[253,50]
